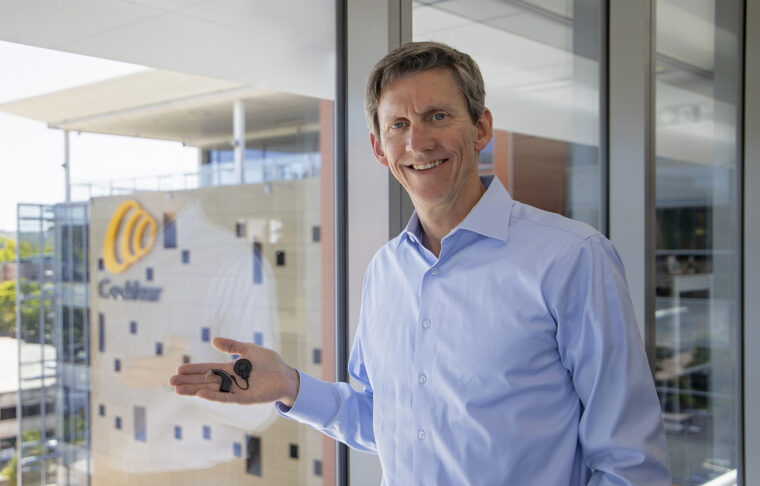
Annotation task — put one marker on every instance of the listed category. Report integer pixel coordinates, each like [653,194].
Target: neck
[438,220]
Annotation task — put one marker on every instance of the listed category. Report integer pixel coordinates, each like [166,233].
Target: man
[496,342]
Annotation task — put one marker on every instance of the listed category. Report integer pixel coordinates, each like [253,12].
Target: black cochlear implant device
[242,368]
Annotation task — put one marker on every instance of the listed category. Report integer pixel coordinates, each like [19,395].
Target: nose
[420,138]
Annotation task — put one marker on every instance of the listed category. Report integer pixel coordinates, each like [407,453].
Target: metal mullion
[740,161]
[604,117]
[19,417]
[631,153]
[749,471]
[43,387]
[650,198]
[86,330]
[57,327]
[340,225]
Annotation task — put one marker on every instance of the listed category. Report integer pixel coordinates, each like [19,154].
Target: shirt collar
[489,217]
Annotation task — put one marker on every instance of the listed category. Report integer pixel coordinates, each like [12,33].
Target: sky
[31,154]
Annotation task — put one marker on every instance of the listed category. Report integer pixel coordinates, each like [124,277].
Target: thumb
[229,346]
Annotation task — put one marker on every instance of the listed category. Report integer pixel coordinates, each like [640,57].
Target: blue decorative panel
[170,231]
[141,425]
[257,273]
[101,332]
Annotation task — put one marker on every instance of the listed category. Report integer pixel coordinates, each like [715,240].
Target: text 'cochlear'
[130,291]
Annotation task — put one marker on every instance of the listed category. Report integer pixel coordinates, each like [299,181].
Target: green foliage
[10,469]
[7,249]
[8,307]
[32,435]
[27,249]
[30,311]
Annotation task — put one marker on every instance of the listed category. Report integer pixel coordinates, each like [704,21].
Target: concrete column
[376,203]
[238,120]
[66,165]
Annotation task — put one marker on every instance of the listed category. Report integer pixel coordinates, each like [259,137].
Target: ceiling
[263,44]
[194,110]
[538,81]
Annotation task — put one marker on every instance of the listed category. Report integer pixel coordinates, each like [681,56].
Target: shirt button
[426,323]
[421,434]
[435,271]
[422,379]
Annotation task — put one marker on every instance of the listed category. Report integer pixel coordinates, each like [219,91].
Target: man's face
[428,140]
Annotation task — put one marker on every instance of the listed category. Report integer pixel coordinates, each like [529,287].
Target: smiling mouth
[429,165]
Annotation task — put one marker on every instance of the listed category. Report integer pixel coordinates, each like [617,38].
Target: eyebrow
[426,111]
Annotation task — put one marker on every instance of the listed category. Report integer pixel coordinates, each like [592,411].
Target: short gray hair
[416,57]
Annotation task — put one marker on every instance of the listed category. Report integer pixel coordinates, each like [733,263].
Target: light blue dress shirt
[512,359]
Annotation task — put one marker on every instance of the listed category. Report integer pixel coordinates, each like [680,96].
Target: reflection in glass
[540,63]
[35,320]
[697,258]
[243,249]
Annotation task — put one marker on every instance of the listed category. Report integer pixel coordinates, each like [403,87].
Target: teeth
[429,165]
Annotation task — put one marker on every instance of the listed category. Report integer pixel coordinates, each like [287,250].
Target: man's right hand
[271,378]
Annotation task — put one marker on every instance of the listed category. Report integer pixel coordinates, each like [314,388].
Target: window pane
[698,231]
[540,63]
[240,244]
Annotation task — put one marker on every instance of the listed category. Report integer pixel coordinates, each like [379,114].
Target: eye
[439,116]
[397,125]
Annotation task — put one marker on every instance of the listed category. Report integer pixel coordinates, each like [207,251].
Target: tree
[7,249]
[9,471]
[30,311]
[27,249]
[8,308]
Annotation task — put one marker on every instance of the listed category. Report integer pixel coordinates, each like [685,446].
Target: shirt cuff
[315,403]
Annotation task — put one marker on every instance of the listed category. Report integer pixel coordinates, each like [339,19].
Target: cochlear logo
[131,237]
[134,231]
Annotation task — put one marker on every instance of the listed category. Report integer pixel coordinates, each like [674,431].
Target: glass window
[698,233]
[540,64]
[240,245]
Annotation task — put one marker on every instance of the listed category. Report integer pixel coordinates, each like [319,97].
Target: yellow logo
[132,244]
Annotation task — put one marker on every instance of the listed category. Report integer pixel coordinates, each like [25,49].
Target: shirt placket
[422,377]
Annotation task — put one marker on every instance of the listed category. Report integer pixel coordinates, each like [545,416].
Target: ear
[484,130]
[377,149]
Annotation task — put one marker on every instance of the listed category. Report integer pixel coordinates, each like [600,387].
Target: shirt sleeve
[336,409]
[620,431]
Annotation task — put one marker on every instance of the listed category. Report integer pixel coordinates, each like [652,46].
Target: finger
[194,379]
[202,368]
[229,345]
